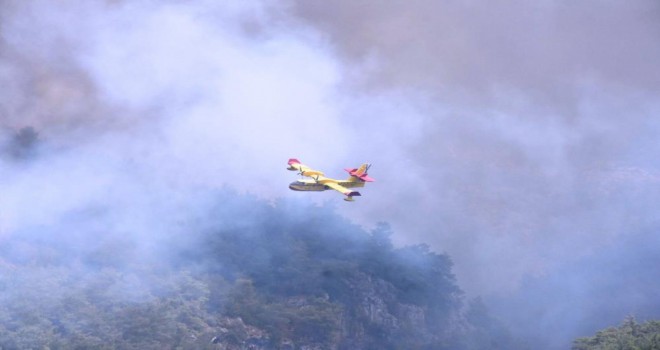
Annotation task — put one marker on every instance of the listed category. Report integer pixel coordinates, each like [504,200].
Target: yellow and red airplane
[358,177]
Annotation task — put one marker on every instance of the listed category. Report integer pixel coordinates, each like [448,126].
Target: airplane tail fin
[360,174]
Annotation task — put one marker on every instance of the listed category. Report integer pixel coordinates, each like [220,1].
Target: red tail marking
[363,177]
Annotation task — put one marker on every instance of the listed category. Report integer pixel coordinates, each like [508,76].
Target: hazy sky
[516,136]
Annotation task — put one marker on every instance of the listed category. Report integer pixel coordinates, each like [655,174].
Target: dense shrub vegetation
[245,274]
[630,335]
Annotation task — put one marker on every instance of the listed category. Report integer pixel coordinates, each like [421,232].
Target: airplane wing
[296,165]
[303,169]
[341,189]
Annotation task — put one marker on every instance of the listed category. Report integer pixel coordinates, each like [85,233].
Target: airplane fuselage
[319,182]
[311,185]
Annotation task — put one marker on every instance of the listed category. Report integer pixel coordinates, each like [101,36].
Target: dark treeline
[245,274]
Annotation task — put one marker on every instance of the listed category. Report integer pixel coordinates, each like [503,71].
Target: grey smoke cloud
[141,106]
[518,137]
[542,50]
[539,136]
[531,113]
[162,90]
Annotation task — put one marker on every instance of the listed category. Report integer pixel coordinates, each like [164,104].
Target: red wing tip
[293,161]
[366,178]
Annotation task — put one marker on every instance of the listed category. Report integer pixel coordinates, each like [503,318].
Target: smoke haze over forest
[521,138]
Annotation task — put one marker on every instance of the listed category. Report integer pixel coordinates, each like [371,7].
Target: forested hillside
[629,335]
[247,274]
